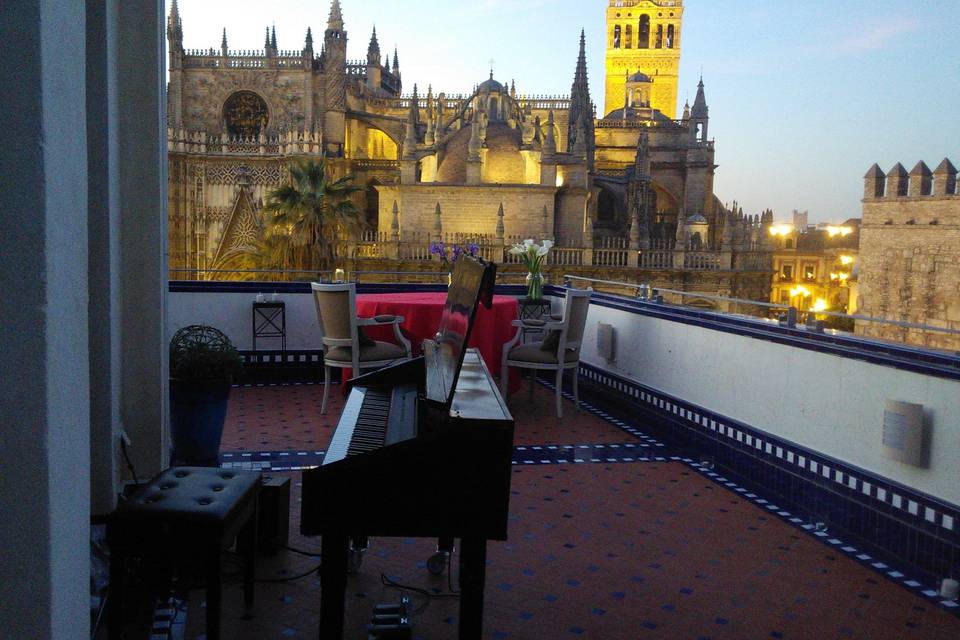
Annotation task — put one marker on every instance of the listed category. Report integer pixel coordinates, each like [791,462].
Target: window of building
[784,296]
[659,36]
[616,37]
[788,243]
[670,37]
[643,37]
[629,38]
[809,272]
[786,271]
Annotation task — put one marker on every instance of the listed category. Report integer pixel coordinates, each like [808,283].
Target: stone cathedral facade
[630,188]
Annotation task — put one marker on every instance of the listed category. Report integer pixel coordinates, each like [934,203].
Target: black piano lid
[472,282]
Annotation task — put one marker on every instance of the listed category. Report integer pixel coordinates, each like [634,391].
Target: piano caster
[438,562]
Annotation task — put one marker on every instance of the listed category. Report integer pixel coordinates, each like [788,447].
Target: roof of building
[638,114]
[490,85]
[639,76]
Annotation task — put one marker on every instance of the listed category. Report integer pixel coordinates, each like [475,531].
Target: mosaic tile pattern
[617,551]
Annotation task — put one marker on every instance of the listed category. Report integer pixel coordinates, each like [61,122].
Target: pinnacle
[898,170]
[336,17]
[946,167]
[875,172]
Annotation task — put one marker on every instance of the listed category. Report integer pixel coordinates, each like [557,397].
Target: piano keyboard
[362,426]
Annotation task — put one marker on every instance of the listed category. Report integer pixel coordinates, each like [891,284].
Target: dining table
[422,312]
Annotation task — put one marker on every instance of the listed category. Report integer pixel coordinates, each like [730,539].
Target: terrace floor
[622,541]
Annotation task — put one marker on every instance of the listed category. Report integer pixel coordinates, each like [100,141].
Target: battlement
[920,182]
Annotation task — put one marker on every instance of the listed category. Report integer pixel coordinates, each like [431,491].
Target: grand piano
[422,449]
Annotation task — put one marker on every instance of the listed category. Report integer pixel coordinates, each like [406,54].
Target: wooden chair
[560,349]
[344,344]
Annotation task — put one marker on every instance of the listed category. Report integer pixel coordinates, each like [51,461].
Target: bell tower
[644,35]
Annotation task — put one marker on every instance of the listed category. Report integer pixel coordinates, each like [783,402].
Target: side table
[270,321]
[534,310]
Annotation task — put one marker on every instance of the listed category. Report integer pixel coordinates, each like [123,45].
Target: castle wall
[910,267]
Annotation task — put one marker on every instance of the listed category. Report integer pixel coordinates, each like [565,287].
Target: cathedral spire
[396,63]
[580,133]
[700,109]
[266,43]
[373,51]
[223,43]
[335,23]
[175,27]
[308,43]
[273,39]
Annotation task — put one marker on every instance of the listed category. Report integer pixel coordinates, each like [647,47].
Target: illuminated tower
[644,35]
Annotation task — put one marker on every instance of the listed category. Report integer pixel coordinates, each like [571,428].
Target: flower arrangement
[532,256]
[449,254]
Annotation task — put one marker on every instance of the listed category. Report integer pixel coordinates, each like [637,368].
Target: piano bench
[186,515]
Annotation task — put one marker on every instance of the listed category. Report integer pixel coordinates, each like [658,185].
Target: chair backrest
[336,314]
[574,319]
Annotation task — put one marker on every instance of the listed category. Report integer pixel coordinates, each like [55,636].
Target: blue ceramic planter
[197,413]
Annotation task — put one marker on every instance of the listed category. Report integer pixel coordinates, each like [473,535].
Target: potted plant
[203,363]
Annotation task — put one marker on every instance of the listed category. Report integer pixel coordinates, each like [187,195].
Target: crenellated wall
[910,253]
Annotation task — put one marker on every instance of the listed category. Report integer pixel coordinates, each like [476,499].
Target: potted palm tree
[203,363]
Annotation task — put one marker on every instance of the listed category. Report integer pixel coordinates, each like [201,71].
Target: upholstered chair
[345,345]
[560,349]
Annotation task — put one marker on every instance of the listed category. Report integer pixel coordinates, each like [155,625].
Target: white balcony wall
[828,403]
[232,313]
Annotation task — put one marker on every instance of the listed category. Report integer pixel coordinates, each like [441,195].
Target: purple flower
[473,249]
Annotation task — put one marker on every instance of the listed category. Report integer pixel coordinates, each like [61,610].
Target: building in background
[816,268]
[910,254]
[801,219]
[627,194]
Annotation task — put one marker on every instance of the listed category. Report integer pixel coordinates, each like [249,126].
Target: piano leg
[333,585]
[473,567]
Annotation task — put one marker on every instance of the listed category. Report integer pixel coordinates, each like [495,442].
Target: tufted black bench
[185,515]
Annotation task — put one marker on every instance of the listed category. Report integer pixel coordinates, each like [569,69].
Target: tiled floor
[600,550]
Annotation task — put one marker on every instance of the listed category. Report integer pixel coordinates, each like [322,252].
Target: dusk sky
[804,95]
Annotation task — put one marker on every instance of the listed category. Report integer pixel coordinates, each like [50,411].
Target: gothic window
[245,114]
[629,43]
[643,38]
[616,37]
[372,209]
[670,36]
[659,36]
[606,208]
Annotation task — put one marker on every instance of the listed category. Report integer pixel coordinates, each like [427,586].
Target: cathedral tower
[644,35]
[335,72]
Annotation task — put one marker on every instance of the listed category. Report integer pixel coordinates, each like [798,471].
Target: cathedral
[495,165]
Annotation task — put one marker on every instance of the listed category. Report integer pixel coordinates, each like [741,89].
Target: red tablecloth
[422,312]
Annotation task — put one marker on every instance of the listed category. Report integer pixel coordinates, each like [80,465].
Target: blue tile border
[894,518]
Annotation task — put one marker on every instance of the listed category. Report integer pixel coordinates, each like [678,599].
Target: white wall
[831,404]
[232,314]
